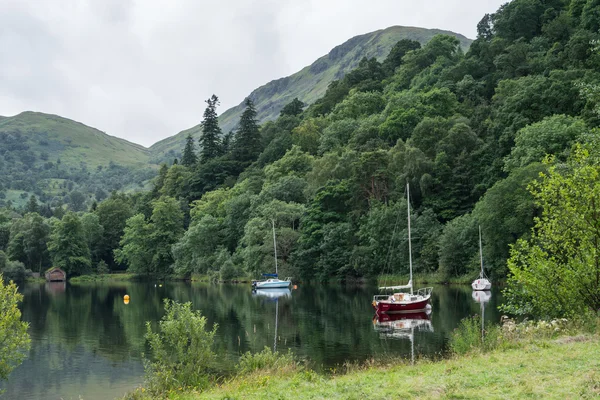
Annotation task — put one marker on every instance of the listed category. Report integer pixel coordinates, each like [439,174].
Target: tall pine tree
[211,132]
[247,145]
[189,156]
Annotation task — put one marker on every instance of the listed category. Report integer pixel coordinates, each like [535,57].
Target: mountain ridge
[310,82]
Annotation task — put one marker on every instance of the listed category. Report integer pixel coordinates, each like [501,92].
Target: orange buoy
[126,299]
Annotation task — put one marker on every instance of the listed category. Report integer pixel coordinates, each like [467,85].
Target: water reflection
[86,341]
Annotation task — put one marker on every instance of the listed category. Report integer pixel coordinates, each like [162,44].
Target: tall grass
[469,336]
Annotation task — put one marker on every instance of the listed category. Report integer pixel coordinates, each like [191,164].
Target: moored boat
[273,282]
[482,282]
[404,302]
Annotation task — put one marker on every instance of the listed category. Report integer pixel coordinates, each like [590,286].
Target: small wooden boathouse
[56,275]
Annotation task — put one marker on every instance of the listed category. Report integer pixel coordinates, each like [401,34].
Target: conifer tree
[211,132]
[189,156]
[247,140]
[33,206]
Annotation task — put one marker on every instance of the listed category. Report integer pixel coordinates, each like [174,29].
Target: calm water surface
[87,343]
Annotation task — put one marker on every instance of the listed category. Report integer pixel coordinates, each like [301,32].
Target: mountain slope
[311,82]
[39,138]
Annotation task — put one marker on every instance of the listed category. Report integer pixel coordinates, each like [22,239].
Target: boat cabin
[56,275]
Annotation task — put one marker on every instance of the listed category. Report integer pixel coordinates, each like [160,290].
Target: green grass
[104,278]
[567,368]
[310,83]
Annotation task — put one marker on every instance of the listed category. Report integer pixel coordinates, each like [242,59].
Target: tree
[33,206]
[90,223]
[135,249]
[68,247]
[189,156]
[77,201]
[394,58]
[14,339]
[294,107]
[146,245]
[247,144]
[112,214]
[211,132]
[553,135]
[556,272]
[28,242]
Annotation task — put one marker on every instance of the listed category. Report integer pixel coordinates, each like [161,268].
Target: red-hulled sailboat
[403,302]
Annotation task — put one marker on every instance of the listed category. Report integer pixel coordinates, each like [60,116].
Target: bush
[13,332]
[265,360]
[102,268]
[14,271]
[182,355]
[469,337]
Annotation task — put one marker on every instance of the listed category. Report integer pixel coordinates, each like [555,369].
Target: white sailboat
[482,282]
[273,282]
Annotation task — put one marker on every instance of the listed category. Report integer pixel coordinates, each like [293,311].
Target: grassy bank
[566,367]
[104,278]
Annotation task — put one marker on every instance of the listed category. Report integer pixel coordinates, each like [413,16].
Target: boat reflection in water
[482,298]
[402,326]
[272,293]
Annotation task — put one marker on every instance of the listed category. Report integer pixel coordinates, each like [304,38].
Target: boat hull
[481,284]
[389,307]
[272,285]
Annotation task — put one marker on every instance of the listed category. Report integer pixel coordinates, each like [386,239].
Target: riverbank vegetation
[542,354]
[14,339]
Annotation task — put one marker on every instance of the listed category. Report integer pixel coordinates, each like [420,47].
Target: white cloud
[141,69]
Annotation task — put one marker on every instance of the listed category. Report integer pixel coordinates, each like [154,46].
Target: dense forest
[468,132]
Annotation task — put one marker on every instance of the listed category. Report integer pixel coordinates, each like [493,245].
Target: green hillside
[52,156]
[310,83]
[70,141]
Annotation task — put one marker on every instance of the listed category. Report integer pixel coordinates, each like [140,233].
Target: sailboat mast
[480,252]
[409,244]
[274,244]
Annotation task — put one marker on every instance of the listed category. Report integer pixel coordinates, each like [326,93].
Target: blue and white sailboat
[273,282]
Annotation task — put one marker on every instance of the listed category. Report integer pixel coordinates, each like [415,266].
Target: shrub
[469,336]
[13,332]
[182,355]
[14,271]
[265,360]
[102,268]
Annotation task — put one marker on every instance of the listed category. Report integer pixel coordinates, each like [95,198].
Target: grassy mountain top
[40,138]
[311,82]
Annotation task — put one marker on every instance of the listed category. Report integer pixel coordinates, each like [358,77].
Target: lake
[86,342]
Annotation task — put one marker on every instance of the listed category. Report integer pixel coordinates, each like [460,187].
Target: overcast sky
[141,69]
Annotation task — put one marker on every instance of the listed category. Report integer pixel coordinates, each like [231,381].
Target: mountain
[311,82]
[51,156]
[47,137]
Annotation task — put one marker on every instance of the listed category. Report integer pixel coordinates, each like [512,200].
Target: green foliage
[68,246]
[210,140]
[458,253]
[28,242]
[13,270]
[13,332]
[181,348]
[146,245]
[555,272]
[554,135]
[471,335]
[189,155]
[102,268]
[266,360]
[505,214]
[247,144]
[294,107]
